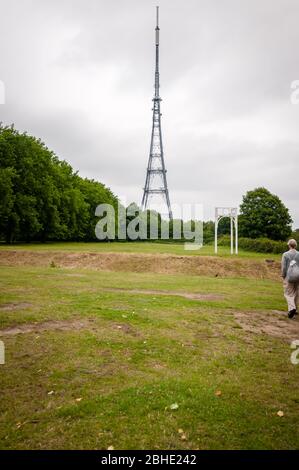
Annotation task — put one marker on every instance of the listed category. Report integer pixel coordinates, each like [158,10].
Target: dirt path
[150,263]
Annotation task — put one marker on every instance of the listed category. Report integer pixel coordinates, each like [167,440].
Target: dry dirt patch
[14,306]
[59,325]
[272,324]
[187,295]
[67,325]
[126,328]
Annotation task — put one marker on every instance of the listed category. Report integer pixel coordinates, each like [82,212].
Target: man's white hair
[292,243]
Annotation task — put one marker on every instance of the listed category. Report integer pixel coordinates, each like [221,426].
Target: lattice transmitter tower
[156,182]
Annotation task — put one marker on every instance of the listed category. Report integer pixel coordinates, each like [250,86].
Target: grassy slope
[134,247]
[168,350]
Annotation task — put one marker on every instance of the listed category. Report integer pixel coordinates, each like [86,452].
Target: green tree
[208,231]
[94,194]
[41,197]
[7,201]
[262,214]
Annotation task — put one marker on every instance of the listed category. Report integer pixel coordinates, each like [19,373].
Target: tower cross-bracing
[156,182]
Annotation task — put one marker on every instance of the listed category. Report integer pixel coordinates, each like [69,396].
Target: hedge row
[259,245]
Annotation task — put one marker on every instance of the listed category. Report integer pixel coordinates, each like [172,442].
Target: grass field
[97,359]
[134,247]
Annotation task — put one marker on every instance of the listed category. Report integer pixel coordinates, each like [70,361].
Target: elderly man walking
[290,275]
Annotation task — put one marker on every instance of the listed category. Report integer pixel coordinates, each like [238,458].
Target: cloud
[80,76]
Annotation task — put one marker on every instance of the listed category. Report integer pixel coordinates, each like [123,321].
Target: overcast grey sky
[79,74]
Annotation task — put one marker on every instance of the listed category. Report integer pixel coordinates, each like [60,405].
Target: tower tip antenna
[157,12]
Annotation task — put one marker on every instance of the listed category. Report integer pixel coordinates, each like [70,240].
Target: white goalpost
[232,213]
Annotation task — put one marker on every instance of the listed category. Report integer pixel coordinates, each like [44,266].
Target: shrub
[259,245]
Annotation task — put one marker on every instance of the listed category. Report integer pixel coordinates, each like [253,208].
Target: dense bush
[259,245]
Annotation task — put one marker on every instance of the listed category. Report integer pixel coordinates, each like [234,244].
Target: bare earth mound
[154,263]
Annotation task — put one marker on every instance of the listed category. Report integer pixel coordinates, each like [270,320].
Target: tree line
[42,198]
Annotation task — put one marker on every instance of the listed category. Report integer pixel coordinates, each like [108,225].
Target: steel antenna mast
[156,182]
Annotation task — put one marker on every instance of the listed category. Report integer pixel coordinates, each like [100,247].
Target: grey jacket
[287,257]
